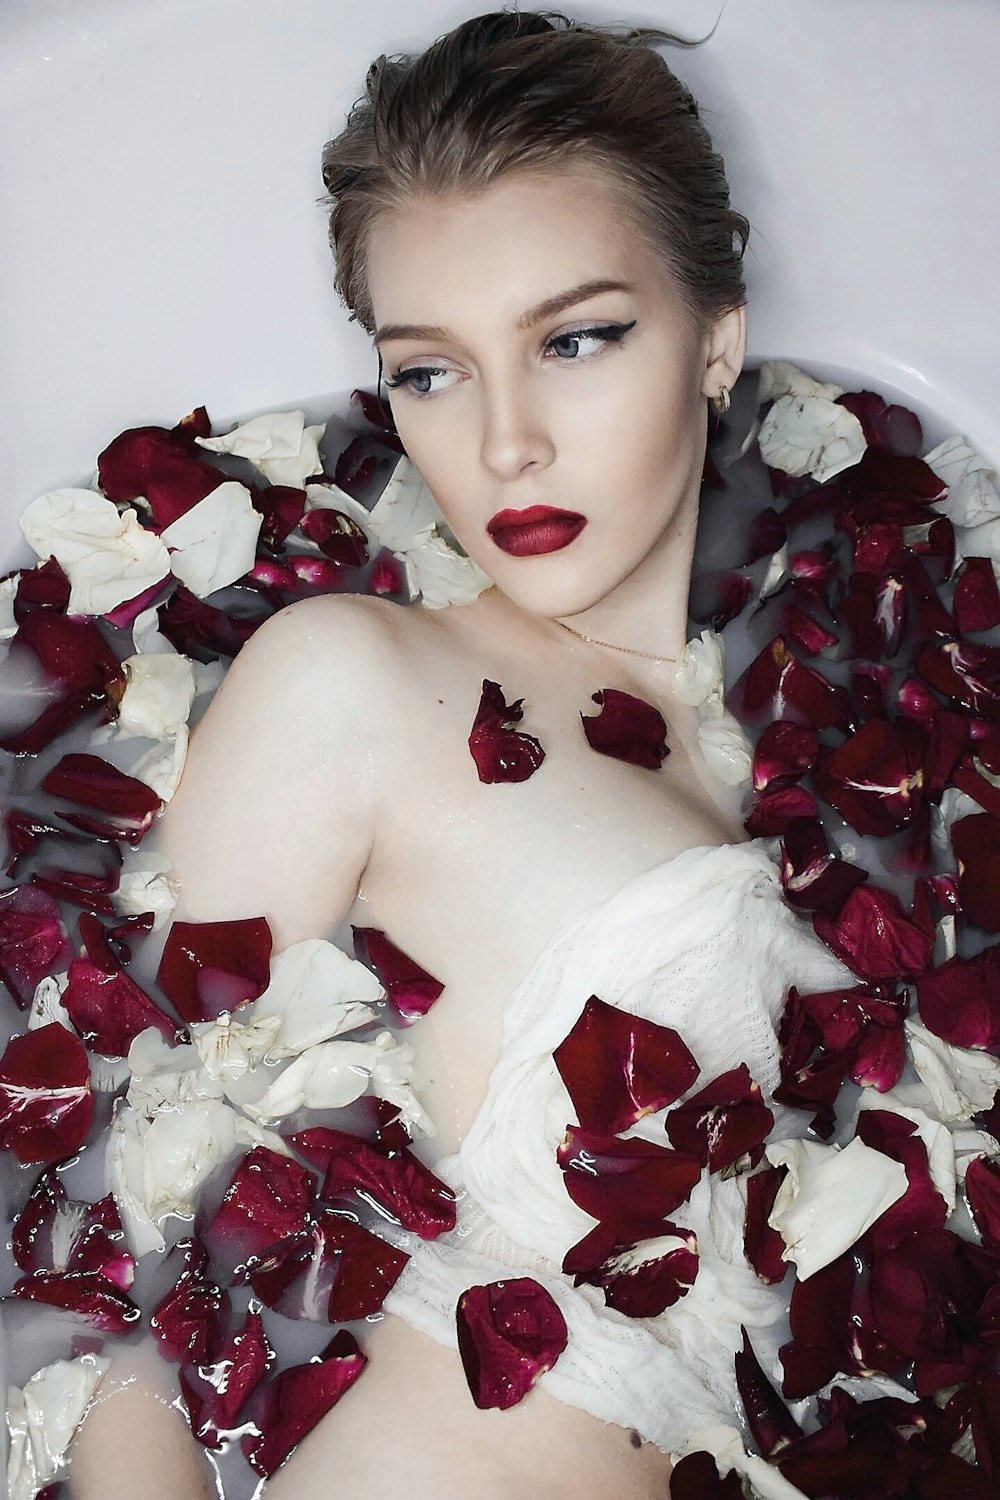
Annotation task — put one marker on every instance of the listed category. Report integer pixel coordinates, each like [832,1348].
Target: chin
[553,592]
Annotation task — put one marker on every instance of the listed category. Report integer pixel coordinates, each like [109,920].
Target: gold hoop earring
[721,401]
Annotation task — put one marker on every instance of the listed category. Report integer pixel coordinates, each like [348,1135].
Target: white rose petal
[161,766]
[829,1198]
[727,751]
[698,675]
[392,1079]
[315,992]
[228,1048]
[968,1145]
[46,1003]
[443,576]
[108,558]
[145,884]
[973,497]
[775,575]
[8,588]
[960,1080]
[216,540]
[165,1077]
[328,1076]
[147,637]
[159,692]
[810,435]
[779,378]
[42,1419]
[277,443]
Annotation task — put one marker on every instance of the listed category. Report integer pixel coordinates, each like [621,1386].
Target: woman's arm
[274,814]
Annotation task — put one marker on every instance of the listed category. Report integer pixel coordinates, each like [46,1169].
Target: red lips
[538,528]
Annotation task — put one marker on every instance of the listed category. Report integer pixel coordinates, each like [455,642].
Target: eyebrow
[547,309]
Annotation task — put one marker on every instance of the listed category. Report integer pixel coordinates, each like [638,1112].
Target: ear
[726,348]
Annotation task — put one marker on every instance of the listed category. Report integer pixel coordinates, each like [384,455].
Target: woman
[532,224]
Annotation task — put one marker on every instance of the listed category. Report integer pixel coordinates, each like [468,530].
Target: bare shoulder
[355,638]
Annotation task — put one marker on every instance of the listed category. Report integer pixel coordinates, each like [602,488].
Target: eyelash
[607,333]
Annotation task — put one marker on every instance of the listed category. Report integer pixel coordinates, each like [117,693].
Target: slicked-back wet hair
[514,91]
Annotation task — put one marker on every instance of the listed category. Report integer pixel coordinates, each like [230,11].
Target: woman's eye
[608,333]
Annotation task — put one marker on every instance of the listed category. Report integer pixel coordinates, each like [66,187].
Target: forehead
[508,245]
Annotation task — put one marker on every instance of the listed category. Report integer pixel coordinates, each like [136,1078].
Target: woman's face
[504,407]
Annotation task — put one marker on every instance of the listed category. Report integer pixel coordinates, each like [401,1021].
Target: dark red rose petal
[624,1179]
[874,937]
[618,1067]
[696,1477]
[215,1393]
[269,1198]
[723,1122]
[921,1206]
[210,967]
[501,752]
[411,990]
[204,632]
[94,782]
[718,597]
[875,778]
[336,535]
[812,876]
[776,809]
[398,1183]
[960,1000]
[982,1188]
[762,1245]
[784,752]
[509,1333]
[640,1275]
[33,941]
[968,674]
[45,1101]
[976,842]
[387,576]
[289,1405]
[819,1315]
[887,429]
[333,1271]
[84,1292]
[771,1423]
[159,465]
[776,685]
[190,1321]
[628,729]
[977,598]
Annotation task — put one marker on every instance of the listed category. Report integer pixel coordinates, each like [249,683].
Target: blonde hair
[514,91]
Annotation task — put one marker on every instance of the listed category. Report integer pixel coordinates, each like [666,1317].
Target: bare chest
[474,879]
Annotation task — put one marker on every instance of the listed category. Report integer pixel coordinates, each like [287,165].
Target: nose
[515,433]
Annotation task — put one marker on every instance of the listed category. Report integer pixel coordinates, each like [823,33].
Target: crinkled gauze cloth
[703,943]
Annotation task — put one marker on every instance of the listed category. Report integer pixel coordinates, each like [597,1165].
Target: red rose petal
[84,1292]
[967,673]
[977,598]
[784,752]
[501,752]
[628,729]
[875,778]
[776,685]
[771,1423]
[618,1067]
[874,937]
[387,576]
[190,1321]
[269,1198]
[332,1271]
[812,877]
[289,1405]
[53,1233]
[624,1179]
[411,990]
[982,1188]
[396,1183]
[336,535]
[509,1333]
[762,1245]
[976,842]
[33,941]
[776,809]
[960,1000]
[204,632]
[696,1477]
[215,1393]
[723,1122]
[921,1206]
[819,1316]
[161,466]
[45,1101]
[109,1009]
[210,967]
[640,1274]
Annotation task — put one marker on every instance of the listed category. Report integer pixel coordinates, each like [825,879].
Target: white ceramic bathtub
[162,247]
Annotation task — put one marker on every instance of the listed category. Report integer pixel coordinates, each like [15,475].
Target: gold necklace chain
[632,650]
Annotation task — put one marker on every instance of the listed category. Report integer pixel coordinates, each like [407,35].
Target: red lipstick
[539,528]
